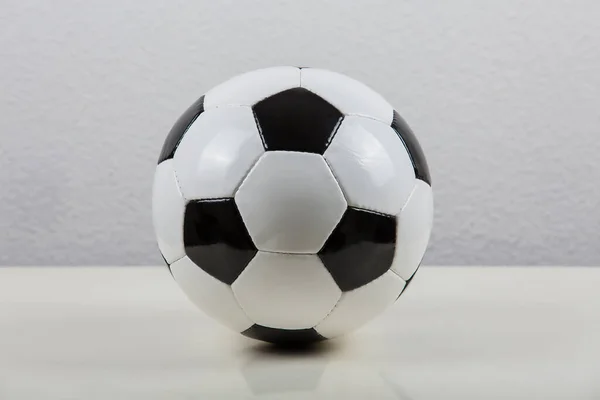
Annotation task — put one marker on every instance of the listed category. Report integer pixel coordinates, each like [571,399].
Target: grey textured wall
[504,95]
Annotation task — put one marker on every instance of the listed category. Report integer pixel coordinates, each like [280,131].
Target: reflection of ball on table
[285,374]
[292,204]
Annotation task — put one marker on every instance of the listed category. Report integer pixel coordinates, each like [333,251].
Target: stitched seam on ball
[412,193]
[368,117]
[332,308]
[333,133]
[373,212]
[398,275]
[350,291]
[246,174]
[262,138]
[337,180]
[237,301]
[185,200]
[179,259]
[336,303]
[211,199]
[344,194]
[398,222]
[233,105]
[288,253]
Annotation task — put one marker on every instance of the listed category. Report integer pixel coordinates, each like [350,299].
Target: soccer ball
[292,204]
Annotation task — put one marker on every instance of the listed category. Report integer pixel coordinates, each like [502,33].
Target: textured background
[504,95]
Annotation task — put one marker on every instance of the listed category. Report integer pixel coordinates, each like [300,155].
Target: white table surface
[457,333]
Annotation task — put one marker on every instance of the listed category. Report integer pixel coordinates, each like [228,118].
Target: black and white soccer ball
[292,204]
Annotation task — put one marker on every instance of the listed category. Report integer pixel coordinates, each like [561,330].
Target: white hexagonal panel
[290,202]
[357,307]
[210,295]
[251,87]
[168,209]
[287,291]
[217,152]
[414,228]
[371,165]
[348,95]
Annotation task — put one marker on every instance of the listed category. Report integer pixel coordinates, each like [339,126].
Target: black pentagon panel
[297,120]
[414,148]
[283,337]
[180,128]
[360,248]
[216,238]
